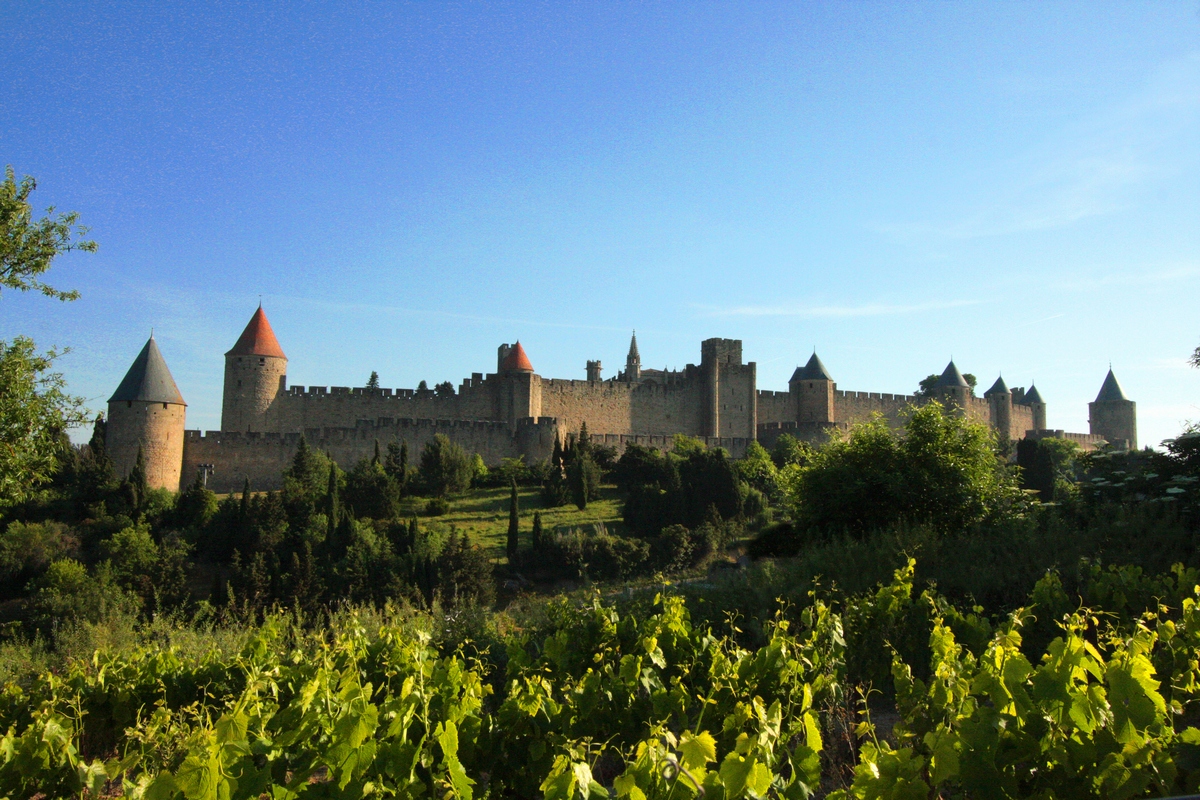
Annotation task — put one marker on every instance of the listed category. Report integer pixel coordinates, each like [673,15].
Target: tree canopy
[35,413]
[942,470]
[28,247]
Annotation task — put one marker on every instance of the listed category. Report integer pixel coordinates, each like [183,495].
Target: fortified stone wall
[1086,441]
[1022,421]
[620,408]
[855,407]
[300,407]
[155,427]
[262,457]
[775,407]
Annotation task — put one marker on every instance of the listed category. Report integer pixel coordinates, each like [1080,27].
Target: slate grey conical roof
[999,387]
[1111,390]
[814,370]
[1033,396]
[148,379]
[634,356]
[952,377]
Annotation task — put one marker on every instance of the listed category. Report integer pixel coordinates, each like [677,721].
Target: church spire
[633,361]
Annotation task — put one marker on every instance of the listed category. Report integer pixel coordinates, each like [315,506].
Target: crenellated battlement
[889,398]
[515,412]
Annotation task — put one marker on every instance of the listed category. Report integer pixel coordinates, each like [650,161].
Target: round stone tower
[1113,415]
[147,413]
[1033,399]
[952,389]
[811,386]
[999,400]
[255,374]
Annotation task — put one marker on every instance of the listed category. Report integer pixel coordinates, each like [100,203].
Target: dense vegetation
[930,612]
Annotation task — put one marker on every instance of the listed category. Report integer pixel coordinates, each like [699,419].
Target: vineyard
[892,693]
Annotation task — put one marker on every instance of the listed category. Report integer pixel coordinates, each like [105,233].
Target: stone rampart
[776,407]
[262,457]
[855,407]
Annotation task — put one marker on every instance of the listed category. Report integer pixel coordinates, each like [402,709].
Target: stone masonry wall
[262,457]
[776,407]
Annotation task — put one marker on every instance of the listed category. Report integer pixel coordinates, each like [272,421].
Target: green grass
[483,513]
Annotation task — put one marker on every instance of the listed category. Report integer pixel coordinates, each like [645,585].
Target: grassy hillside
[483,513]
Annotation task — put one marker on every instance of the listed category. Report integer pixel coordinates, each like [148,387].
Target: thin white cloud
[1088,170]
[835,312]
[1128,278]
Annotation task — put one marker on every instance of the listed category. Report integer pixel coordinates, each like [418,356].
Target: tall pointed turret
[255,374]
[952,388]
[147,413]
[811,388]
[1113,415]
[999,400]
[633,361]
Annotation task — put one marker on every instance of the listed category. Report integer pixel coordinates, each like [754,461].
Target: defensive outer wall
[516,413]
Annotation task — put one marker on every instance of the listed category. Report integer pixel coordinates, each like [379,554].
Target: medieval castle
[516,412]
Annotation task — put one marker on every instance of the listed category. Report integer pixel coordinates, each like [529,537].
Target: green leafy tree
[35,413]
[371,492]
[445,467]
[444,389]
[942,471]
[196,506]
[514,525]
[67,592]
[28,549]
[29,247]
[373,381]
[1195,359]
[757,469]
[790,450]
[465,574]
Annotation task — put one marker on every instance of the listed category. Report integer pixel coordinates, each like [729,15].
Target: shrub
[437,506]
[445,467]
[27,549]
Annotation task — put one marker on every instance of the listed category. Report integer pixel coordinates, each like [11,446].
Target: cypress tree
[375,460]
[556,460]
[332,506]
[138,484]
[373,381]
[514,530]
[536,536]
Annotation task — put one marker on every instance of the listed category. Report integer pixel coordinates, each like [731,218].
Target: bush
[776,541]
[445,467]
[66,592]
[28,549]
[594,555]
[437,506]
[943,471]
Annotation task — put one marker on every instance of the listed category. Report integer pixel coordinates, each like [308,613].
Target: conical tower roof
[952,377]
[814,370]
[999,387]
[148,379]
[1033,396]
[257,339]
[516,360]
[1111,390]
[634,356]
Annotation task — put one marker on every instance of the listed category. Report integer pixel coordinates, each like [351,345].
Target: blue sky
[407,186]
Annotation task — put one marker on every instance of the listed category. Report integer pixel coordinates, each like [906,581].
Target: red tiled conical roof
[258,339]
[516,360]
